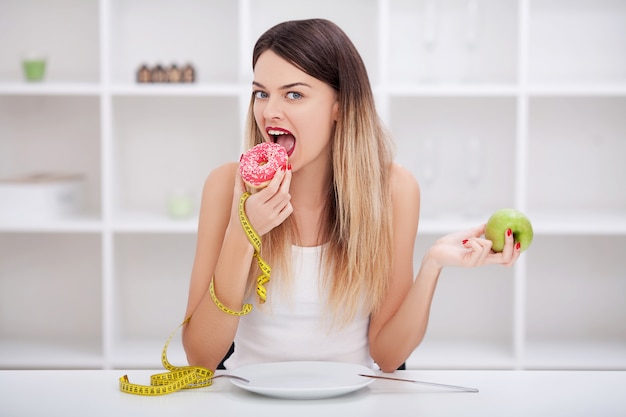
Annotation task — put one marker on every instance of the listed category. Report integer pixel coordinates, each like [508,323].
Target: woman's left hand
[469,249]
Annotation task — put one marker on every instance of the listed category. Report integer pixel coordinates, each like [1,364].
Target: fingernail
[465,241]
[509,232]
[289,167]
[518,246]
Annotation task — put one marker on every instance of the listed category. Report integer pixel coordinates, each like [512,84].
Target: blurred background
[113,112]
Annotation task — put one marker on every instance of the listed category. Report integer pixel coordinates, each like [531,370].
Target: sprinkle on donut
[259,164]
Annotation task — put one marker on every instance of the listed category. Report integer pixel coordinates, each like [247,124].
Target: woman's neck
[310,188]
[309,198]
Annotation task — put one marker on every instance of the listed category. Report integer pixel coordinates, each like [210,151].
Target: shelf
[191,90]
[574,302]
[66,32]
[166,146]
[471,318]
[492,104]
[451,41]
[454,354]
[577,90]
[473,156]
[50,292]
[38,354]
[153,267]
[150,222]
[592,130]
[575,354]
[569,222]
[204,40]
[86,224]
[45,88]
[451,90]
[569,54]
[549,223]
[44,134]
[439,224]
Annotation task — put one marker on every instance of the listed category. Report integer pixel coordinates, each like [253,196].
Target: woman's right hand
[268,207]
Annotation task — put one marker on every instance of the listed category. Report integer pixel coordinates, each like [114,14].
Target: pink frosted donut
[259,164]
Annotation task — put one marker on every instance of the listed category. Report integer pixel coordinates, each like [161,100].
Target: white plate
[303,380]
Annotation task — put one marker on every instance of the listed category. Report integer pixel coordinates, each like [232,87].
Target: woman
[338,226]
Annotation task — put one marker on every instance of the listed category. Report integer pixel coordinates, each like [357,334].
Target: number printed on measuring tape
[255,240]
[253,236]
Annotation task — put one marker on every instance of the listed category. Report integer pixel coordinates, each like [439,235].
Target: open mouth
[283,137]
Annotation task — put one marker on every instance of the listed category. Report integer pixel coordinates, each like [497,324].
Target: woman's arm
[392,338]
[224,254]
[222,249]
[399,327]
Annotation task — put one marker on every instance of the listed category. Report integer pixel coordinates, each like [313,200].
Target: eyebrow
[284,87]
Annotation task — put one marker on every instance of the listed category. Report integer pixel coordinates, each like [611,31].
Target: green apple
[509,218]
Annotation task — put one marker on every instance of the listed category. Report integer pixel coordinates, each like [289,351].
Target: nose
[272,109]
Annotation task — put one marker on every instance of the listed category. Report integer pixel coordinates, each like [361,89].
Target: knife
[456,387]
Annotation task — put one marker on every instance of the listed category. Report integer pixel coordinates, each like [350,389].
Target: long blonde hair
[358,258]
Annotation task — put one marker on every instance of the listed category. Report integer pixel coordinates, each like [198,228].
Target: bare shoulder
[217,192]
[223,173]
[221,180]
[403,184]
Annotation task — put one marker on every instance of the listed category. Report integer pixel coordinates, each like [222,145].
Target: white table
[502,394]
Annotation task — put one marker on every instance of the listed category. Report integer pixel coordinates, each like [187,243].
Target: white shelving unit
[493,103]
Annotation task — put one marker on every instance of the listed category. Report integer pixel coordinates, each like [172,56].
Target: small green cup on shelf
[34,68]
[180,204]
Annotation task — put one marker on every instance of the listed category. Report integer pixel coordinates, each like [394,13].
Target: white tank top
[292,328]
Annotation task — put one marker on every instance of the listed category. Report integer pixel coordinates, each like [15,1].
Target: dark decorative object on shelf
[189,74]
[144,74]
[158,74]
[172,74]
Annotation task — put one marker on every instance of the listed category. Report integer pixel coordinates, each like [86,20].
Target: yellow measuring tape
[178,377]
[187,377]
[255,240]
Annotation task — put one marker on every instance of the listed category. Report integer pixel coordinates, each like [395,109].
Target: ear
[335,110]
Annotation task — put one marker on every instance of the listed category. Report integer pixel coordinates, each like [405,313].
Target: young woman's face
[294,109]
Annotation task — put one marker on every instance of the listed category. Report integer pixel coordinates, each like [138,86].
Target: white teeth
[276,132]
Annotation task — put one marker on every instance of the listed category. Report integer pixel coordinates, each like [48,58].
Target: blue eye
[292,95]
[259,94]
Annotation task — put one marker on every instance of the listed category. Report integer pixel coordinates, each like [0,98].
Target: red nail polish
[518,246]
[465,241]
[509,232]
[289,167]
